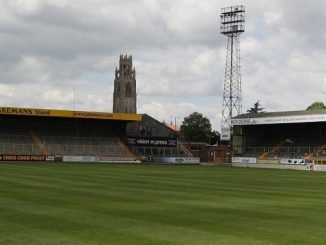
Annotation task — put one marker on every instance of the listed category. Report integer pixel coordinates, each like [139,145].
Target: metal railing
[285,152]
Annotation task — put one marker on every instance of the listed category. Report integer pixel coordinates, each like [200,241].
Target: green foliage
[196,128]
[318,105]
[257,108]
[83,204]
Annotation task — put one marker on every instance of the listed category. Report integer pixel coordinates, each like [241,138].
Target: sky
[62,54]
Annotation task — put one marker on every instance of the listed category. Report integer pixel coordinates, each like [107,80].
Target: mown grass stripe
[44,203]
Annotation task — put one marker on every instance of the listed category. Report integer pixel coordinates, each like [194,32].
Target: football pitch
[43,203]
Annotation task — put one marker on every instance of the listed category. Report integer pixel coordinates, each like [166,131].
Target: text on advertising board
[156,141]
[68,114]
[22,158]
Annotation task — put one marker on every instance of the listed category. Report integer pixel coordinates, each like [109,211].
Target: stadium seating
[84,146]
[41,136]
[283,152]
[284,141]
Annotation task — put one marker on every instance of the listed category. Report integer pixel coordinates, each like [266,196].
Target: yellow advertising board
[68,114]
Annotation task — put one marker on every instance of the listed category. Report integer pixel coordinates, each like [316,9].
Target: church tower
[124,95]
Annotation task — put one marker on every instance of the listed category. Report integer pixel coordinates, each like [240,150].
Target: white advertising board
[106,159]
[293,161]
[225,134]
[79,159]
[244,160]
[50,158]
[177,160]
[279,120]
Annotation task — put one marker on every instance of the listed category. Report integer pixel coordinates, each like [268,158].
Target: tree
[257,108]
[196,128]
[316,106]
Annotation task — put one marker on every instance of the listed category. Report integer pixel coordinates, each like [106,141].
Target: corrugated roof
[281,114]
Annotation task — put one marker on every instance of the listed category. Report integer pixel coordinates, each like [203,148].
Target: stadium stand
[300,134]
[46,135]
[27,133]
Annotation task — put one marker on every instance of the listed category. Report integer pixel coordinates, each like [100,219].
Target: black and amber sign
[68,114]
[16,111]
[22,158]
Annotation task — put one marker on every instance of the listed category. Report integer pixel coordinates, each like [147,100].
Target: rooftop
[282,117]
[15,111]
[281,114]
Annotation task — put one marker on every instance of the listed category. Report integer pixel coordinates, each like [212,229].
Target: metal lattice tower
[232,25]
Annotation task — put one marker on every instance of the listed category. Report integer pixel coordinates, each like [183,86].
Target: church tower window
[128,90]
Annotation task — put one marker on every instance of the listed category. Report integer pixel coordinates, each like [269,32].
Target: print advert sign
[152,142]
[279,120]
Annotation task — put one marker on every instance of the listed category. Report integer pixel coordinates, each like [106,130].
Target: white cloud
[50,46]
[32,69]
[56,95]
[272,18]
[24,7]
[6,90]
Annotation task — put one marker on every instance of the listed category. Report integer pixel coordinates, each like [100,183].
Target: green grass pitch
[43,203]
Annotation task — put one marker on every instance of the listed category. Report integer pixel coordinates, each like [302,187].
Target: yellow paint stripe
[68,114]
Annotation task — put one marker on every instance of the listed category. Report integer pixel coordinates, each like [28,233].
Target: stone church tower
[124,95]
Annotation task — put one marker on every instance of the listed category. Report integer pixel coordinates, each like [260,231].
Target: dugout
[43,132]
[290,134]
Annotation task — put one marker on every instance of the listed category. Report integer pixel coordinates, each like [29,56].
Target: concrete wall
[273,166]
[320,168]
[268,161]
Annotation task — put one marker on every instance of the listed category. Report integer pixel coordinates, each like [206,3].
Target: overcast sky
[50,47]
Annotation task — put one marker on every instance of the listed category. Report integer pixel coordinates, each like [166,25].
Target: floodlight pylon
[232,26]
